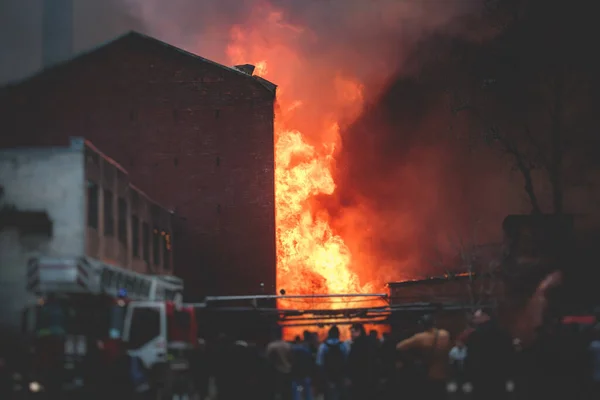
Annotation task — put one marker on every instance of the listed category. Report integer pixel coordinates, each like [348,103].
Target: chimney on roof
[57,31]
[246,68]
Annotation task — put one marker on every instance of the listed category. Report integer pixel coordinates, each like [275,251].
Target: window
[92,211]
[121,177]
[135,235]
[155,246]
[116,321]
[145,326]
[166,249]
[135,200]
[122,221]
[146,242]
[155,214]
[52,317]
[91,156]
[109,218]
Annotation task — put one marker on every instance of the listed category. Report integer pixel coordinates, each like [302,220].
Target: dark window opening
[146,242]
[109,172]
[175,115]
[218,209]
[176,161]
[155,246]
[122,221]
[109,218]
[121,177]
[91,156]
[132,115]
[52,317]
[217,114]
[145,326]
[116,321]
[92,211]
[135,236]
[135,199]
[166,236]
[218,161]
[155,214]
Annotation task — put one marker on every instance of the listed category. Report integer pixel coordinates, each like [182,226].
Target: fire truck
[90,315]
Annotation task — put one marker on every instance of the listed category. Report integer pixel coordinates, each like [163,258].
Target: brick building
[195,135]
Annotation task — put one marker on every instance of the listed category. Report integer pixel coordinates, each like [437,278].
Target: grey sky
[341,26]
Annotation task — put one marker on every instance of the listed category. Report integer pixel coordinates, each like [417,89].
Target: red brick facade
[194,135]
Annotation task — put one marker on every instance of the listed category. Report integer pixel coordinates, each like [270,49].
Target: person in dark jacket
[490,356]
[361,365]
[331,360]
[302,368]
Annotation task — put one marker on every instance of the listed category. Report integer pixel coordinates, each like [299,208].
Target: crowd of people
[482,362]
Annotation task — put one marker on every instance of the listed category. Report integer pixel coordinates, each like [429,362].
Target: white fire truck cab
[91,313]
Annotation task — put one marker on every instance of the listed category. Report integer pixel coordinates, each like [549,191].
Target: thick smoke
[406,194]
[404,183]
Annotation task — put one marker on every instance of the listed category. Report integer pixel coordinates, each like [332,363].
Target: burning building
[195,135]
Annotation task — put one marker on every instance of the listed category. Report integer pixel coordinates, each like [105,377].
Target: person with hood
[331,360]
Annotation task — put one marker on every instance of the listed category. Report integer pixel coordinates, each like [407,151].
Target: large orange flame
[311,257]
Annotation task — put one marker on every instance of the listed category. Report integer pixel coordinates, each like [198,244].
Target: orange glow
[312,104]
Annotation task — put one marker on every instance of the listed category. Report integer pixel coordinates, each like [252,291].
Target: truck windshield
[51,319]
[117,320]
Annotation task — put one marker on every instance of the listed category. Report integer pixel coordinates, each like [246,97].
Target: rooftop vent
[246,68]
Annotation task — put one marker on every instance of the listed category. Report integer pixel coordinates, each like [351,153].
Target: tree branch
[525,169]
[556,158]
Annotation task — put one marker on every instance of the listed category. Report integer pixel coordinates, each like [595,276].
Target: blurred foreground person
[331,360]
[431,347]
[303,368]
[458,356]
[595,356]
[362,373]
[279,355]
[490,354]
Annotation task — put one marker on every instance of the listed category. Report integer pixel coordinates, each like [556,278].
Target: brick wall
[194,136]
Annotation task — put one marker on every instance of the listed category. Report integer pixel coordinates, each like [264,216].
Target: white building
[73,202]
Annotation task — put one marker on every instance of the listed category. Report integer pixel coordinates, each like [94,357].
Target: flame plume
[311,257]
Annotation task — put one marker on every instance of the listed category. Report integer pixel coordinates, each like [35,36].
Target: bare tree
[526,93]
[464,259]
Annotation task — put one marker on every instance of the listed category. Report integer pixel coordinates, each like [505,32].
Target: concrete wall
[50,180]
[57,181]
[193,135]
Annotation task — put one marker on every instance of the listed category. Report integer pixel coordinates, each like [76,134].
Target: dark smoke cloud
[407,169]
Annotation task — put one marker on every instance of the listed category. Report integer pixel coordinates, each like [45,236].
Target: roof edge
[270,86]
